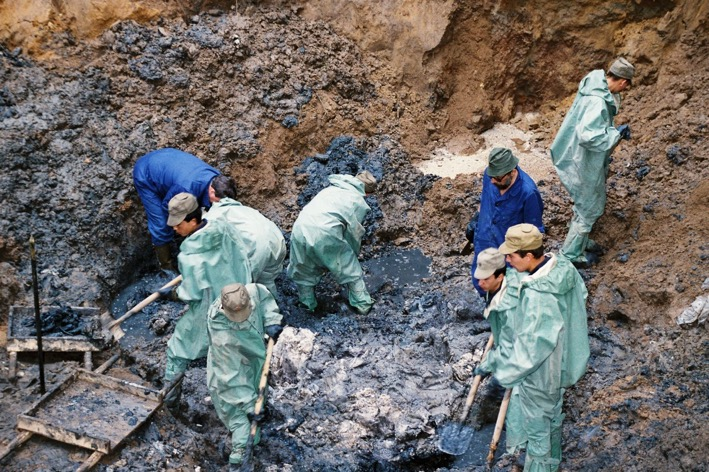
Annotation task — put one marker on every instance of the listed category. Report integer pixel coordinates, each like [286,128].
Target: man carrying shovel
[550,349]
[237,322]
[210,257]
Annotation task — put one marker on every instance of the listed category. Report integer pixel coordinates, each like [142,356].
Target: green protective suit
[326,237]
[549,353]
[501,313]
[209,259]
[580,152]
[264,243]
[235,361]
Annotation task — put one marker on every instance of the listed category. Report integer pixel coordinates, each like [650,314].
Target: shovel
[498,427]
[247,464]
[113,326]
[455,438]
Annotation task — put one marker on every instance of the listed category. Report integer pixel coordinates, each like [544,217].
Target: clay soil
[280,94]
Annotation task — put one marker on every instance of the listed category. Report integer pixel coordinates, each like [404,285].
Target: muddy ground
[278,95]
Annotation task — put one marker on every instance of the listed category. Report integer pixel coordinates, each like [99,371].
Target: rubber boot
[306,296]
[359,297]
[164,255]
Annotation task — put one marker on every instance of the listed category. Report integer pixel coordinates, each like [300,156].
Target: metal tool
[454,438]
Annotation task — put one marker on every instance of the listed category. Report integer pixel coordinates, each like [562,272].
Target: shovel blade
[455,438]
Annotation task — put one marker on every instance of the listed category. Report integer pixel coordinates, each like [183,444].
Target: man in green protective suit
[550,348]
[211,256]
[327,236]
[237,322]
[501,287]
[264,242]
[582,148]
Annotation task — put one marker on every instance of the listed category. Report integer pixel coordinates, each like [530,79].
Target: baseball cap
[370,183]
[179,207]
[623,69]
[488,262]
[236,303]
[521,237]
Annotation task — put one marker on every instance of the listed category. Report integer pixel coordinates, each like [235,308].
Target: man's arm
[594,129]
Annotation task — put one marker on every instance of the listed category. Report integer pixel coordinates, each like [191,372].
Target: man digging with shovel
[237,322]
[550,348]
[211,256]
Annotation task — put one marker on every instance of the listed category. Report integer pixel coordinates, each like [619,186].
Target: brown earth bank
[271,93]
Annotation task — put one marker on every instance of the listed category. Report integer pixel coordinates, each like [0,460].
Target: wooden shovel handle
[150,299]
[476,383]
[498,426]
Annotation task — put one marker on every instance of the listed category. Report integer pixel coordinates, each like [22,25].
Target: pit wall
[476,62]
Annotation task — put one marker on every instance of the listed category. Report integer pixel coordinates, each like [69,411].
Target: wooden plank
[51,344]
[52,393]
[119,385]
[63,434]
[92,460]
[21,438]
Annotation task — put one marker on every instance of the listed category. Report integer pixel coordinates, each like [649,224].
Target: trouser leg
[306,296]
[359,296]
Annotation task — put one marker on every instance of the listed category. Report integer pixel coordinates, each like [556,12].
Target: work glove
[273,331]
[256,417]
[470,229]
[167,293]
[624,131]
[481,372]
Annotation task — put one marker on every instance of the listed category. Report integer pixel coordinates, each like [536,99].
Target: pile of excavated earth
[280,96]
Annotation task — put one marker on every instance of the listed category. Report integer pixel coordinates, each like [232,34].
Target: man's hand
[254,417]
[470,229]
[167,293]
[273,331]
[624,131]
[481,372]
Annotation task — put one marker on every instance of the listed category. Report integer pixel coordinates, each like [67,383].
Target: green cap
[522,237]
[179,207]
[623,69]
[500,162]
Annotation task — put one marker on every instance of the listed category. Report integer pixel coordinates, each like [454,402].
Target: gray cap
[521,237]
[236,303]
[623,69]
[179,207]
[488,262]
[370,183]
[500,162]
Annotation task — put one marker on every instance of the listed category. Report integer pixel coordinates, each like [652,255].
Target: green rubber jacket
[584,143]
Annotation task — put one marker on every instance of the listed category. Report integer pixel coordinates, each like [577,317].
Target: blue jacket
[160,175]
[521,203]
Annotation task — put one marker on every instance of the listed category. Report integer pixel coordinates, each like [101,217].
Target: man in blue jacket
[160,175]
[582,148]
[509,197]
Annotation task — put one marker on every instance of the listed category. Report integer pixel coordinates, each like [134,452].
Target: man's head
[236,303]
[370,183]
[523,247]
[620,75]
[502,167]
[222,187]
[490,269]
[184,213]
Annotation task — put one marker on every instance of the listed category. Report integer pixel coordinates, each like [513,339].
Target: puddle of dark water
[476,455]
[397,268]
